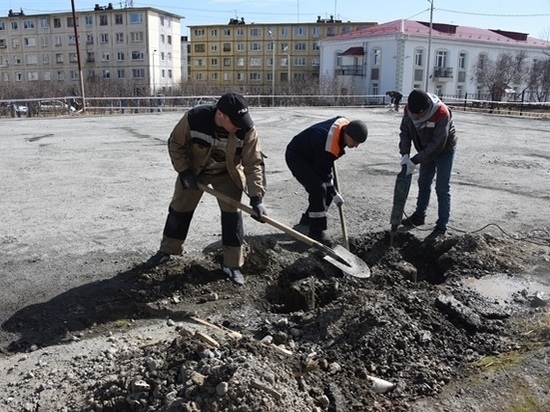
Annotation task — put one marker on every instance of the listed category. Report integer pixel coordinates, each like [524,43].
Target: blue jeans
[440,168]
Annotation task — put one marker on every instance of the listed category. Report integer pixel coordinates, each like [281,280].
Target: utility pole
[429,45]
[78,59]
[270,33]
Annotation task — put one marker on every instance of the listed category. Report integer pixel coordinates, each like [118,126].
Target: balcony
[351,70]
[442,73]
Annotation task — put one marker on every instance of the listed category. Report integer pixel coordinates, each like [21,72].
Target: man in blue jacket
[428,125]
[310,156]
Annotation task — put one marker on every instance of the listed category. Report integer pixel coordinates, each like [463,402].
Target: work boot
[234,274]
[436,233]
[158,259]
[321,237]
[413,221]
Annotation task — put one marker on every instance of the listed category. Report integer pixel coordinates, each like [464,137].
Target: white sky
[528,16]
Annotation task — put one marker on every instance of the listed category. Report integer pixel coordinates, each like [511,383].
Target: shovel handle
[288,230]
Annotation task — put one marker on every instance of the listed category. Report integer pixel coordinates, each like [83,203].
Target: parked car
[55,106]
[14,109]
[206,100]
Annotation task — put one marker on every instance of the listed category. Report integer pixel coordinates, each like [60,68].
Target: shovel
[344,260]
[341,210]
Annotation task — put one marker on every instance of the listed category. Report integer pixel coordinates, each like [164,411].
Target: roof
[354,51]
[441,31]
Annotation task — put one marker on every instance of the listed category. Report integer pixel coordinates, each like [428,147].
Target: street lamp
[153,79]
[287,52]
[429,44]
[270,33]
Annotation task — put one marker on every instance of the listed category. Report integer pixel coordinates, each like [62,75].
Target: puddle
[503,288]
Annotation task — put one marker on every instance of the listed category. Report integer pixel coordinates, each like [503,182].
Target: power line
[494,15]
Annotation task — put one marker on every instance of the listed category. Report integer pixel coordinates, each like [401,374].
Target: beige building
[254,58]
[136,45]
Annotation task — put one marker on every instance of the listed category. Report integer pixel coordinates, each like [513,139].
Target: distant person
[428,125]
[214,144]
[310,156]
[395,99]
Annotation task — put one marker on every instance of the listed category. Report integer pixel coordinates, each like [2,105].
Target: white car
[206,100]
[55,106]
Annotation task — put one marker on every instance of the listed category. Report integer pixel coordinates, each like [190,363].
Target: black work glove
[259,208]
[189,180]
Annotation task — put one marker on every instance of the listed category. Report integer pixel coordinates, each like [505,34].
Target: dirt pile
[298,336]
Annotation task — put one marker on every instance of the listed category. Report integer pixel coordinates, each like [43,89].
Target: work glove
[338,199]
[406,161]
[189,180]
[259,208]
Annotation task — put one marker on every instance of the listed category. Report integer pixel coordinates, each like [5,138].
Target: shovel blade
[355,267]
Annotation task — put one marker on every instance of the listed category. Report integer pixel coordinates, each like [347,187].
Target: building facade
[260,58]
[402,55]
[136,45]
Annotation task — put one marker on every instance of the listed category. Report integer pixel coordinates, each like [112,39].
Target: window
[120,56]
[70,22]
[240,32]
[161,56]
[14,25]
[240,62]
[106,74]
[5,76]
[199,32]
[213,32]
[315,62]
[255,47]
[90,74]
[300,31]
[374,88]
[72,39]
[89,21]
[104,38]
[331,31]
[2,26]
[169,56]
[169,39]
[137,55]
[136,18]
[119,19]
[376,56]
[90,57]
[213,76]
[199,62]
[57,22]
[315,46]
[28,24]
[44,41]
[89,38]
[59,58]
[3,43]
[103,20]
[47,76]
[14,43]
[29,41]
[255,61]
[43,23]
[227,76]
[73,58]
[300,61]
[16,60]
[227,61]
[285,31]
[316,32]
[240,76]
[45,59]
[119,37]
[120,74]
[169,73]
[255,31]
[162,38]
[299,46]
[74,74]
[136,37]
[345,29]
[255,77]
[31,59]
[213,47]
[284,47]
[213,62]
[441,58]
[462,60]
[138,73]
[200,48]
[226,32]
[105,56]
[240,47]
[418,57]
[32,76]
[227,47]
[57,41]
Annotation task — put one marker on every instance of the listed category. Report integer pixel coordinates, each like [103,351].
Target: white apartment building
[402,55]
[137,45]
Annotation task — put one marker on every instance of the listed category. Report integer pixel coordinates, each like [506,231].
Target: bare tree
[539,80]
[498,75]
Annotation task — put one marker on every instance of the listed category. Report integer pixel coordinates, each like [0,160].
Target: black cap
[234,106]
[357,130]
[418,101]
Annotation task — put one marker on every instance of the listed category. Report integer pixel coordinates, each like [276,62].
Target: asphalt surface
[86,197]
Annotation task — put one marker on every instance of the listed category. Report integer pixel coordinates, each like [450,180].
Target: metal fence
[131,105]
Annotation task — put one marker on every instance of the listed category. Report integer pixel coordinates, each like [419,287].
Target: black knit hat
[235,106]
[357,130]
[418,101]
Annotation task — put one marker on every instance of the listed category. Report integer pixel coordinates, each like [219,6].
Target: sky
[527,16]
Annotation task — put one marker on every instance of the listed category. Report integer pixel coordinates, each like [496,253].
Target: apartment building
[260,58]
[140,46]
[403,55]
